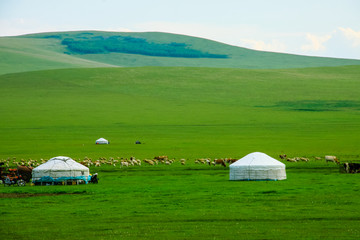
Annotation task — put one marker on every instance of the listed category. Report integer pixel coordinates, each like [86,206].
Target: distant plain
[180,112]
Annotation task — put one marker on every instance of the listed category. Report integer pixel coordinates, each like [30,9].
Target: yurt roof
[257,158]
[61,163]
[101,139]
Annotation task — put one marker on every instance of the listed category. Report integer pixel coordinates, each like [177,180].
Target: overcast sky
[328,28]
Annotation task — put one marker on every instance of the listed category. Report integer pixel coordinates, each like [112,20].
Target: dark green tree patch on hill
[84,46]
[131,45]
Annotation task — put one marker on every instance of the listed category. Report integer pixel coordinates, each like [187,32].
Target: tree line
[131,45]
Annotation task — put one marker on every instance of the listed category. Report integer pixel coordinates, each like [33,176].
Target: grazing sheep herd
[123,162]
[119,161]
[327,158]
[30,162]
[132,161]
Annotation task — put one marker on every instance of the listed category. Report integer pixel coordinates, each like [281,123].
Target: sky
[328,28]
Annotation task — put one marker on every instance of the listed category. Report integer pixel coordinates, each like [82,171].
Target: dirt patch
[26,195]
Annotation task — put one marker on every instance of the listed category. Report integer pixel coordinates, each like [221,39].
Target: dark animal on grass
[352,167]
[220,162]
[231,160]
[25,172]
[161,158]
[94,178]
[282,156]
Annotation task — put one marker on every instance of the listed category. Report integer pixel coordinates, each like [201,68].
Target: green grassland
[187,202]
[107,49]
[180,112]
[22,55]
[187,113]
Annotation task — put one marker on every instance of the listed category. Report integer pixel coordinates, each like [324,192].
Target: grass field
[180,112]
[22,55]
[187,202]
[183,113]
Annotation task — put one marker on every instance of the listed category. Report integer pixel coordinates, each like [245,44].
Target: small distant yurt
[257,166]
[102,141]
[60,170]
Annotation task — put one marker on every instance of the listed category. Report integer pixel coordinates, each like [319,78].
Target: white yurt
[102,141]
[60,170]
[257,166]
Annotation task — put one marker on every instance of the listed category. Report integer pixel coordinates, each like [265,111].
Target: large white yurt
[101,141]
[60,170]
[257,166]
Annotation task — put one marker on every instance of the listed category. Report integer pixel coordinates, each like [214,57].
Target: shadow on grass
[26,195]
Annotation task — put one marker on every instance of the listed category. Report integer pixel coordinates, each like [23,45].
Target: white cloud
[344,43]
[316,43]
[340,43]
[351,35]
[273,46]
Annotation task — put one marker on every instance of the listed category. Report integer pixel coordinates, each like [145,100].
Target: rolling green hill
[108,49]
[180,112]
[26,54]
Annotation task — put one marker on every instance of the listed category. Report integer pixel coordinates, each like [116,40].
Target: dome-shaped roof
[61,163]
[257,158]
[60,167]
[102,141]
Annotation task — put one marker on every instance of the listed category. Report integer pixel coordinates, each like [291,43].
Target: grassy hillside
[180,112]
[101,49]
[23,54]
